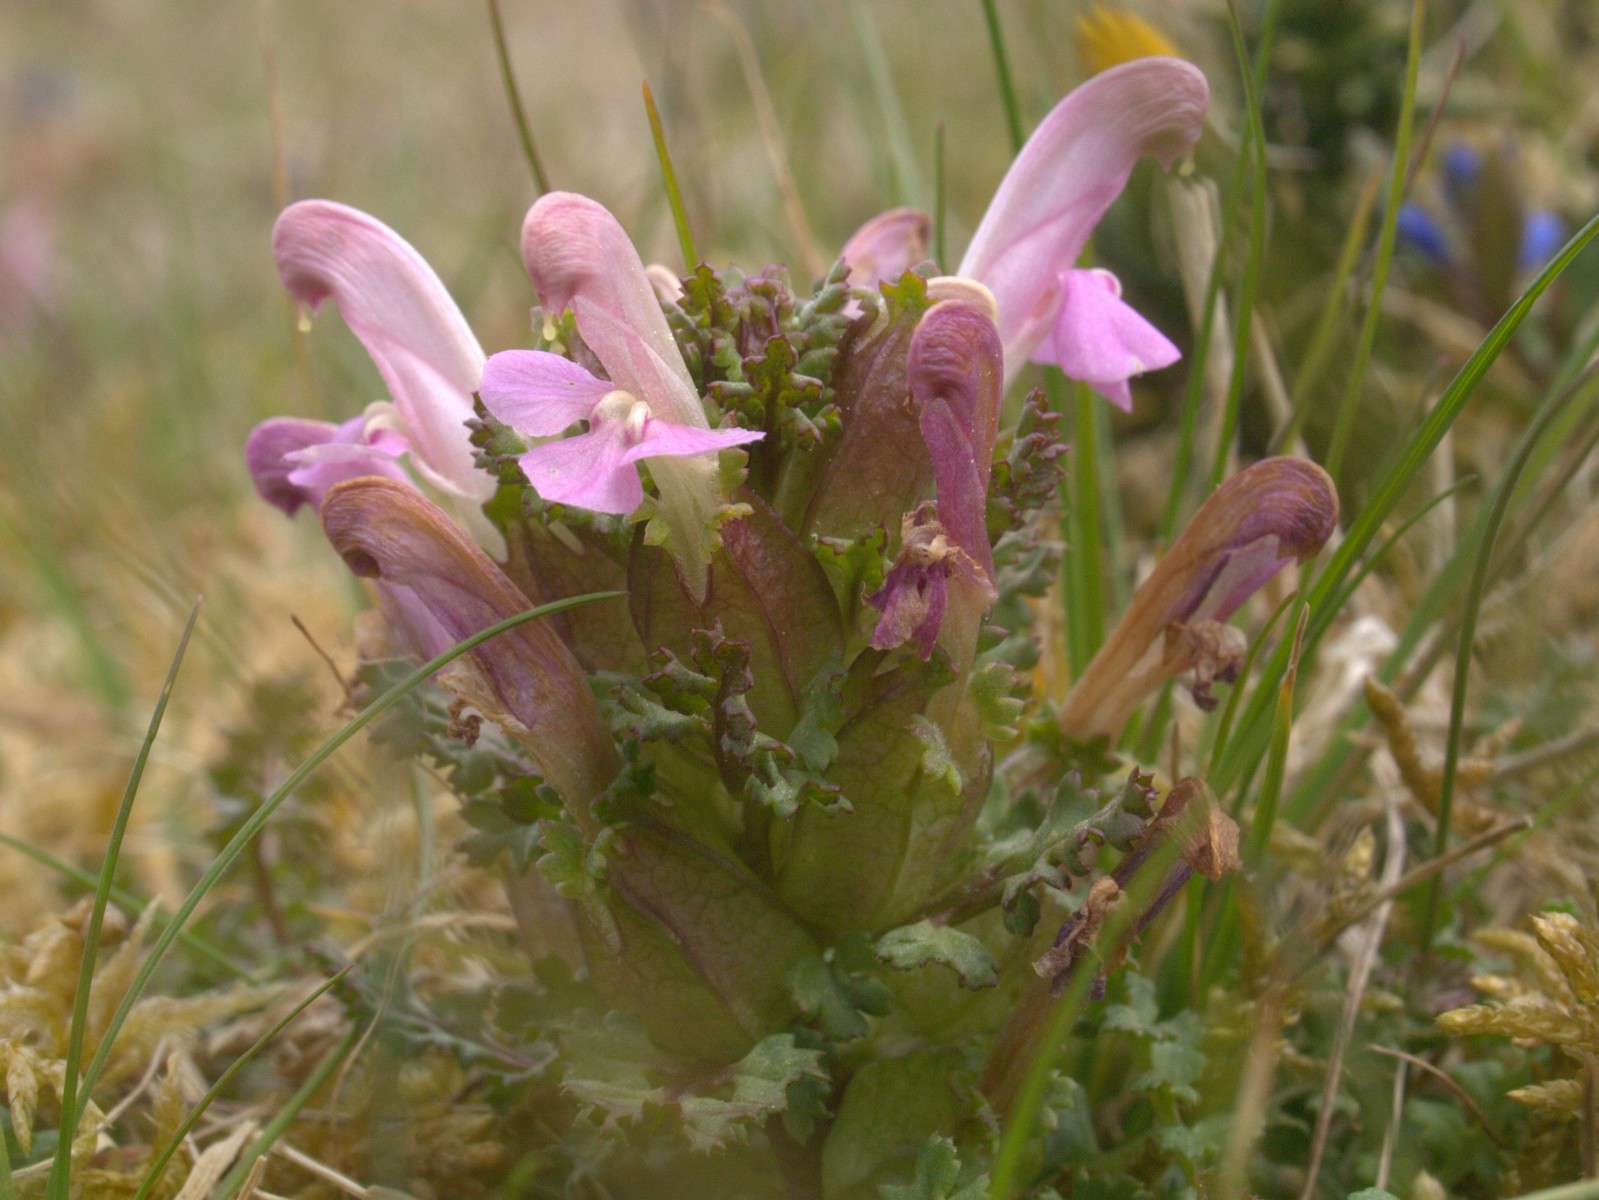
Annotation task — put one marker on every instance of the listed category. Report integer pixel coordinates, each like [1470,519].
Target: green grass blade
[1007,89]
[1235,695]
[1254,152]
[909,185]
[513,96]
[1084,552]
[674,197]
[1194,389]
[1218,948]
[1345,422]
[1321,338]
[152,1176]
[1468,636]
[1277,758]
[286,1115]
[939,196]
[61,1167]
[258,819]
[131,904]
[1248,744]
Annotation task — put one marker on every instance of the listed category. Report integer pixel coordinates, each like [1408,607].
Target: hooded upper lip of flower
[418,340]
[579,257]
[1028,243]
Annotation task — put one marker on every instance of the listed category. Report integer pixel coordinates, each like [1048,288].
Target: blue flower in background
[1439,236]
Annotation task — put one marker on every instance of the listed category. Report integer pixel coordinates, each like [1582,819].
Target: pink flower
[295,461]
[1100,340]
[945,566]
[1027,245]
[579,257]
[542,394]
[395,304]
[887,246]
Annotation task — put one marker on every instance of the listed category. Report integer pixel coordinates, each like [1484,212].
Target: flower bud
[1270,514]
[425,564]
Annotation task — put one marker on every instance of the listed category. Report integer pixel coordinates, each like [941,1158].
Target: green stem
[1397,173]
[61,1167]
[285,1117]
[152,1175]
[1007,90]
[674,197]
[1085,552]
[513,96]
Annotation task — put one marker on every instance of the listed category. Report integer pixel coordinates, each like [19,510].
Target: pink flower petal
[294,461]
[589,471]
[887,246]
[1102,340]
[580,257]
[395,304]
[663,439]
[1066,176]
[538,393]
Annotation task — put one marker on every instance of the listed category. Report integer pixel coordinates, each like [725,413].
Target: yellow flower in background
[1108,37]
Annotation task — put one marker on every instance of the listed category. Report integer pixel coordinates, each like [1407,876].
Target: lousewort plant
[805,866]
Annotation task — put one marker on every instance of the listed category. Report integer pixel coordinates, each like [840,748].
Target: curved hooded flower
[421,345]
[579,257]
[295,461]
[955,375]
[887,246]
[1279,510]
[439,588]
[1027,245]
[542,394]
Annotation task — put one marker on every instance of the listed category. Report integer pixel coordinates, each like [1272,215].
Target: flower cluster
[763,774]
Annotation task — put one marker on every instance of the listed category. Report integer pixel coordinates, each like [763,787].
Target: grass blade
[61,1167]
[909,185]
[1254,153]
[1468,636]
[1084,553]
[8,1189]
[1249,742]
[1118,929]
[258,819]
[153,1175]
[130,903]
[938,195]
[513,96]
[1397,174]
[285,1116]
[1321,339]
[1219,946]
[1007,89]
[674,197]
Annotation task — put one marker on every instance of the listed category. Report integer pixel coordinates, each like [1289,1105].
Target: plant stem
[1007,90]
[1397,174]
[71,1109]
[674,197]
[513,96]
